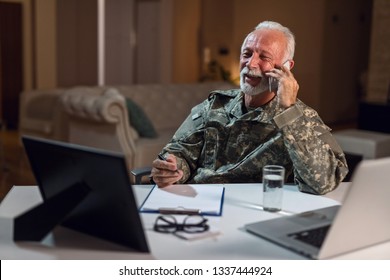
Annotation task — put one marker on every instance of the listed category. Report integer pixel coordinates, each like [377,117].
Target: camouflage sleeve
[188,141]
[319,162]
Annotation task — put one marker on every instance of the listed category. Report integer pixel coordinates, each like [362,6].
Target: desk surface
[241,206]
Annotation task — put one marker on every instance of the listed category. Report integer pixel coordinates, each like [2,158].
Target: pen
[179,211]
[164,159]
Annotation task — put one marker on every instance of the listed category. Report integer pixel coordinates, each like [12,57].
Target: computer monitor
[96,181]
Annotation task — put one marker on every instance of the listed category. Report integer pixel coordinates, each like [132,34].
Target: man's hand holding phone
[287,86]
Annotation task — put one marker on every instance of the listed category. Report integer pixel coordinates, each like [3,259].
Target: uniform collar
[263,113]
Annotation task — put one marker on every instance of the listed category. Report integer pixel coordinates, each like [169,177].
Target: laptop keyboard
[314,237]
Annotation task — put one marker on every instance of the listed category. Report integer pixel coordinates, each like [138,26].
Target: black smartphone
[273,84]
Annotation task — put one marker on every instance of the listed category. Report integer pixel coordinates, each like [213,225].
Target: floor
[14,166]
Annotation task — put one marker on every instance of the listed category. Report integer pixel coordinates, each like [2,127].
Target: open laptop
[361,221]
[85,189]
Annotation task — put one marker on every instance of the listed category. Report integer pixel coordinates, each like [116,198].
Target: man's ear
[289,64]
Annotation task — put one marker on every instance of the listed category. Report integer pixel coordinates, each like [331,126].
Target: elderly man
[230,136]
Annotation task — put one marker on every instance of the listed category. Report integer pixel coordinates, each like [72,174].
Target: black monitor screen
[109,210]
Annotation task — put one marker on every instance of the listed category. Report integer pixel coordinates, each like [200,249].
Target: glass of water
[273,181]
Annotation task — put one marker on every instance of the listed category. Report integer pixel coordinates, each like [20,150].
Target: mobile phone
[272,82]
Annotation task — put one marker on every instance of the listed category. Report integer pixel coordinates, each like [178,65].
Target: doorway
[11,62]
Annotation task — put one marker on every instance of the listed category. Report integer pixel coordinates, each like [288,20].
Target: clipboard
[185,200]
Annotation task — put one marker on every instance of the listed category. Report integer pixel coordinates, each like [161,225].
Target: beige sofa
[99,117]
[41,115]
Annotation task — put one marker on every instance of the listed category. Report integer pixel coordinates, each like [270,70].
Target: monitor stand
[36,223]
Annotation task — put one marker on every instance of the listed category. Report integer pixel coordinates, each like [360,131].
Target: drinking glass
[273,181]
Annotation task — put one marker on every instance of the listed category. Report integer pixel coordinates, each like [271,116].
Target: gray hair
[286,32]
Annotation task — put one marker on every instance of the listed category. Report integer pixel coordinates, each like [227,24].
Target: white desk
[241,206]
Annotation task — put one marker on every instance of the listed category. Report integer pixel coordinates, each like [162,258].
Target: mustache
[252,73]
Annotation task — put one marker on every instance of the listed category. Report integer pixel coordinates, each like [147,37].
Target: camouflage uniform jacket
[223,142]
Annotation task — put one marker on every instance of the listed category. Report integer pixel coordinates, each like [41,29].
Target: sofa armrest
[98,118]
[107,106]
[40,114]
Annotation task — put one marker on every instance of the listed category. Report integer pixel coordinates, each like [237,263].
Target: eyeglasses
[191,224]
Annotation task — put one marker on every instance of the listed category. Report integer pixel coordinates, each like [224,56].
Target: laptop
[361,221]
[84,189]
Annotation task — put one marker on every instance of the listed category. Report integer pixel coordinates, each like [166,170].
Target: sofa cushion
[139,120]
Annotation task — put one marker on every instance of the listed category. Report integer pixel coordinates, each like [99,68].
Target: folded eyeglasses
[190,224]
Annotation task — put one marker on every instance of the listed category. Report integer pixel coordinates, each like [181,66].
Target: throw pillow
[139,120]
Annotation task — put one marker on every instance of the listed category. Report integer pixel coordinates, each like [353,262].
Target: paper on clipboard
[185,199]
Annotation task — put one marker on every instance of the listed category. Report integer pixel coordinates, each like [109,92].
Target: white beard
[246,88]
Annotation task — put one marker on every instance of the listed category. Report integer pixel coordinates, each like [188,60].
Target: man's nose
[253,62]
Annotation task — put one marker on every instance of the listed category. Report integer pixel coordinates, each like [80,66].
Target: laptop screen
[109,210]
